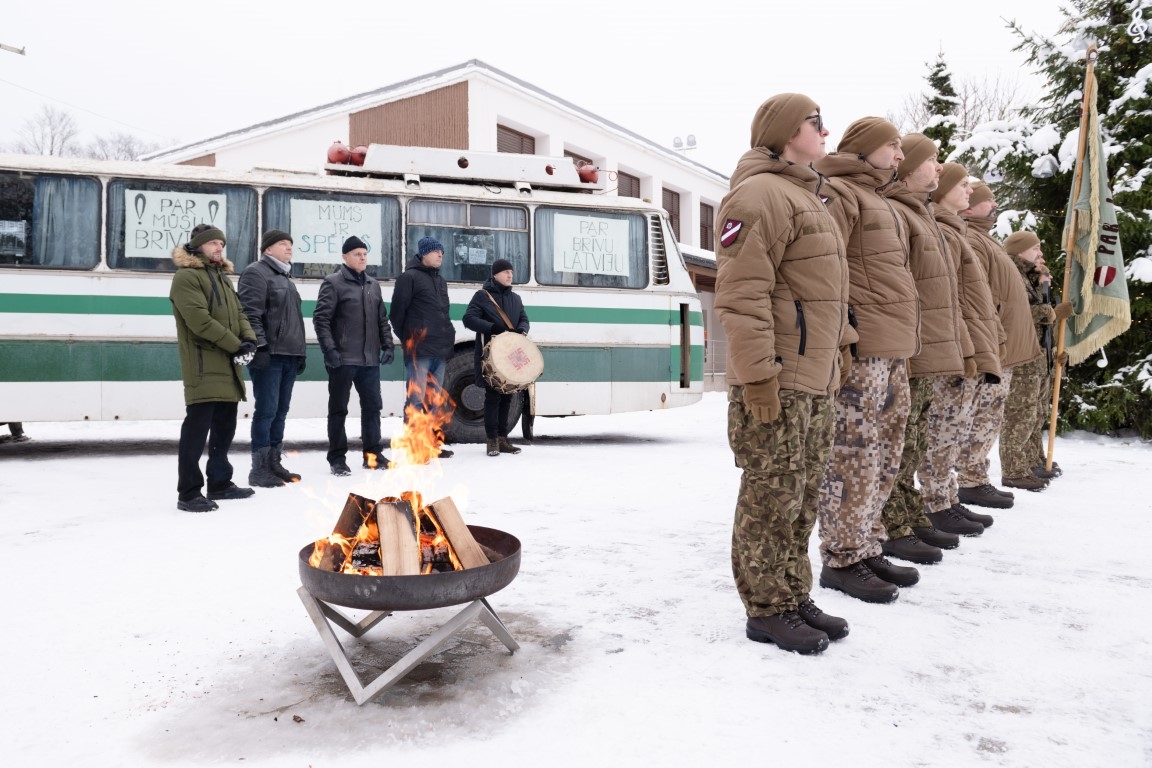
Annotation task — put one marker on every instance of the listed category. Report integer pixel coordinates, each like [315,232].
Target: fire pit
[488,560]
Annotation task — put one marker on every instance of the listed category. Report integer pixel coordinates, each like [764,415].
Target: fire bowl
[417,593]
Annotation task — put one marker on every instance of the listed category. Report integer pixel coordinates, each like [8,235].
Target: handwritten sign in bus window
[473,249]
[157,222]
[591,245]
[320,227]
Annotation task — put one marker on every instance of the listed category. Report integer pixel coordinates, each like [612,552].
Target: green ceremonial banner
[1099,291]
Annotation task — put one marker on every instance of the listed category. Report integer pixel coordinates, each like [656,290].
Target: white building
[476,107]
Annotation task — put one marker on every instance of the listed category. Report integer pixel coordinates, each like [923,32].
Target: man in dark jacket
[272,305]
[489,313]
[420,316]
[352,327]
[215,339]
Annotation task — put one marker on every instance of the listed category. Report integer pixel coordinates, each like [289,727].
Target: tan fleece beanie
[917,149]
[867,134]
[980,193]
[952,175]
[1018,242]
[778,119]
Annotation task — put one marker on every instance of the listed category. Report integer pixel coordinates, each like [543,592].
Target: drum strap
[502,315]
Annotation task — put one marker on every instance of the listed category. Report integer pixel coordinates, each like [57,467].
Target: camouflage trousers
[1039,441]
[904,509]
[1024,418]
[783,463]
[987,418]
[949,422]
[871,413]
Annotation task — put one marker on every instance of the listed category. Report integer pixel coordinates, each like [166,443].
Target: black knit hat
[501,265]
[271,237]
[352,244]
[204,233]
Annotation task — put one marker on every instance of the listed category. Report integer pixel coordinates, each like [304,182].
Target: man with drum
[495,309]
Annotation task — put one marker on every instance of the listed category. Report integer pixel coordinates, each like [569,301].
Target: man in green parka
[215,340]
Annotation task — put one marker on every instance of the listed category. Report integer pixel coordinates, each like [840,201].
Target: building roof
[403,89]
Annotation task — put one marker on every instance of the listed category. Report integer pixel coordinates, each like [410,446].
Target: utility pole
[10,49]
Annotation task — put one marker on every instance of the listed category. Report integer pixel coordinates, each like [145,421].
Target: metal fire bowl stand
[384,595]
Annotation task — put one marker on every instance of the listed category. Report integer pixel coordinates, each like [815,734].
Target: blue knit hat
[427,245]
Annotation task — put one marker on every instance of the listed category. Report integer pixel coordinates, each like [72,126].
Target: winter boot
[900,575]
[937,538]
[493,447]
[506,447]
[788,631]
[835,627]
[912,549]
[445,453]
[976,517]
[196,504]
[951,521]
[1028,483]
[858,581]
[985,496]
[261,475]
[230,491]
[375,460]
[278,468]
[1041,471]
[340,468]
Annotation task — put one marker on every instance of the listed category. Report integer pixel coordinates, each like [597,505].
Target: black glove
[301,364]
[496,330]
[332,358]
[522,333]
[991,378]
[261,360]
[244,355]
[387,355]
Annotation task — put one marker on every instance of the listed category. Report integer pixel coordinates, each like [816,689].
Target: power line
[84,109]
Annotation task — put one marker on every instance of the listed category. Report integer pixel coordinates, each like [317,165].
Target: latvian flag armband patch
[730,232]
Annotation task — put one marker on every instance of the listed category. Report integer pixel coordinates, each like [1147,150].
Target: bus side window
[49,221]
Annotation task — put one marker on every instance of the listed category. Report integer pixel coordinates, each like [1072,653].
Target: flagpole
[1069,245]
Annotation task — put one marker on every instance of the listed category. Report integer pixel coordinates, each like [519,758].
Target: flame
[370,460]
[423,434]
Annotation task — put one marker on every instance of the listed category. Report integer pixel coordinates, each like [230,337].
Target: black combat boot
[1028,483]
[951,521]
[900,575]
[278,468]
[912,549]
[196,504]
[937,538]
[261,475]
[375,460]
[493,448]
[340,468]
[1041,471]
[230,491]
[788,631]
[835,627]
[985,496]
[505,446]
[858,581]
[976,517]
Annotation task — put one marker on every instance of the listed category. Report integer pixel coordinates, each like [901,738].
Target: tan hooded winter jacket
[781,280]
[1008,294]
[882,292]
[944,339]
[975,296]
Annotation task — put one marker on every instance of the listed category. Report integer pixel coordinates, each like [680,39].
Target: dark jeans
[201,420]
[496,407]
[366,379]
[272,388]
[420,374]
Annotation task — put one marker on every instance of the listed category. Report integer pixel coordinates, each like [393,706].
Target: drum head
[511,362]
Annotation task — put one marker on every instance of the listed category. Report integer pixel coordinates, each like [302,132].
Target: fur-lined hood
[182,258]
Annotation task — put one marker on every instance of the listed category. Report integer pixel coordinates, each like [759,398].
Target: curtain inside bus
[50,221]
[474,236]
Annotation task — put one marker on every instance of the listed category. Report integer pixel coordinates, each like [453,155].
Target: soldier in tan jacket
[781,293]
[872,407]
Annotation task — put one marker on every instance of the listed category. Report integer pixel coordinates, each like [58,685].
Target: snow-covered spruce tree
[1035,156]
[941,103]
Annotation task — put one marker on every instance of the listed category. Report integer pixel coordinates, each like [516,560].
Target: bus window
[148,219]
[49,221]
[320,222]
[473,236]
[591,248]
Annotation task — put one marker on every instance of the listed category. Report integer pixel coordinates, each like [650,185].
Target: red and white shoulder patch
[730,232]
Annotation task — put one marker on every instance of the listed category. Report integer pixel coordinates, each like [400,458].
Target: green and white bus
[86,328]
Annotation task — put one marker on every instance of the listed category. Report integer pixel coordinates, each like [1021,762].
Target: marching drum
[511,362]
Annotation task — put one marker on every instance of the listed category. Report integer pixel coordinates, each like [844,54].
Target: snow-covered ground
[139,635]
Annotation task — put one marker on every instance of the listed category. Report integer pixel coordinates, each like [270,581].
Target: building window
[508,140]
[671,202]
[707,222]
[627,185]
[577,160]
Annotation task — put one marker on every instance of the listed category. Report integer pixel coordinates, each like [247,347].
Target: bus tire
[467,425]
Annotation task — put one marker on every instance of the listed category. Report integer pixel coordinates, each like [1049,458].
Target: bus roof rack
[524,172]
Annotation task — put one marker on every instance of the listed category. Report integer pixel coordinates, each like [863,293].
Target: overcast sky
[174,72]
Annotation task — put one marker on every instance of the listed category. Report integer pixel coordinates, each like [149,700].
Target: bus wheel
[467,425]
